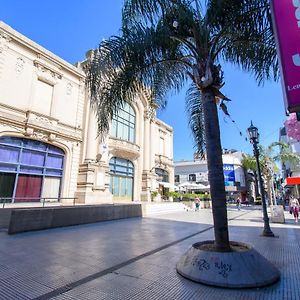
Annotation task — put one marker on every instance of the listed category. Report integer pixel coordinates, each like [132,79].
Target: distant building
[196,172]
[290,173]
[48,139]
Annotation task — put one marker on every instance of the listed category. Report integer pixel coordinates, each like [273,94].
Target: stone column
[92,187]
[153,138]
[147,144]
[91,140]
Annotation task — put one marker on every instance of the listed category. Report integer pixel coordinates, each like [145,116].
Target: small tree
[269,158]
[249,164]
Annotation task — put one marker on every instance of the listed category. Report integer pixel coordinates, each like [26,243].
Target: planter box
[277,214]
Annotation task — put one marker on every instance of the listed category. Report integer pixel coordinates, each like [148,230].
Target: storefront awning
[291,181]
[167,184]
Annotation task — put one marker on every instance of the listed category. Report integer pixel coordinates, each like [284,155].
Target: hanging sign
[286,20]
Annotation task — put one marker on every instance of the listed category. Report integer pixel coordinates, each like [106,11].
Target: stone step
[162,208]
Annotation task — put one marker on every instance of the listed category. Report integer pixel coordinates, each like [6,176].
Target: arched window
[123,124]
[192,177]
[121,179]
[163,174]
[29,170]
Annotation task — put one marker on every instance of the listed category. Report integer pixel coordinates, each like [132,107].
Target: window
[177,178]
[192,177]
[123,124]
[29,170]
[121,179]
[163,174]
[43,97]
[162,145]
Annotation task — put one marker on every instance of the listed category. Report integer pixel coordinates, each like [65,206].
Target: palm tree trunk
[256,185]
[246,176]
[215,172]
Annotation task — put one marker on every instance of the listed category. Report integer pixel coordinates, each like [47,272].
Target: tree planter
[243,267]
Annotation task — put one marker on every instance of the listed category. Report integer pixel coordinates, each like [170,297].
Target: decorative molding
[19,65]
[123,149]
[162,132]
[4,40]
[69,88]
[45,120]
[12,127]
[41,122]
[40,135]
[47,74]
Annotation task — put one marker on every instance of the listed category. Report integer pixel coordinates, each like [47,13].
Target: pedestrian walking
[197,204]
[238,203]
[294,208]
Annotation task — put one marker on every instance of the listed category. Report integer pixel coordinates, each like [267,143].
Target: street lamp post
[254,139]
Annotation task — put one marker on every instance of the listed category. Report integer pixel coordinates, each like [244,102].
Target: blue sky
[70,28]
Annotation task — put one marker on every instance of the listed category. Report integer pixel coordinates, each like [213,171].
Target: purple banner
[286,19]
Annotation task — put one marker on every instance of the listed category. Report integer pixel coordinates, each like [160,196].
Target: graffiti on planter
[202,264]
[224,269]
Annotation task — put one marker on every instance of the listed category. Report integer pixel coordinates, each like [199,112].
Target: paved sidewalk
[136,258]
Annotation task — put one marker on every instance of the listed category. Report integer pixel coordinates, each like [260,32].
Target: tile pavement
[136,258]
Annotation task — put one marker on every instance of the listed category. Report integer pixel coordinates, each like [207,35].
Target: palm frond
[247,37]
[144,58]
[150,11]
[249,162]
[195,118]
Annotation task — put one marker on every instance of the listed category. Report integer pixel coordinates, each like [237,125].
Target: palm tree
[249,163]
[166,43]
[269,159]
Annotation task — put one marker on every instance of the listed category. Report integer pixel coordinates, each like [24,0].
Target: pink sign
[286,19]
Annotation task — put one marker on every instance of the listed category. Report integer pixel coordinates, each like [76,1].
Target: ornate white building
[193,174]
[48,139]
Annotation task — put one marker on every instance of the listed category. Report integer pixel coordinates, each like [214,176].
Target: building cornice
[11,34]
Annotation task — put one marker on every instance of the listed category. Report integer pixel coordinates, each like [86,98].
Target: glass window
[7,182]
[121,182]
[123,124]
[30,161]
[54,172]
[51,187]
[8,167]
[32,158]
[176,178]
[163,174]
[192,177]
[53,149]
[28,188]
[9,154]
[30,170]
[10,140]
[36,145]
[54,161]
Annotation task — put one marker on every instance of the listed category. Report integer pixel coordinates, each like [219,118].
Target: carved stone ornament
[20,65]
[4,40]
[45,120]
[39,135]
[150,112]
[69,88]
[46,74]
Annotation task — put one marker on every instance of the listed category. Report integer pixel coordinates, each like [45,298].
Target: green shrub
[154,194]
[174,195]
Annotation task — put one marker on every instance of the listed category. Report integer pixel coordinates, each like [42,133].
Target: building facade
[193,175]
[290,172]
[49,147]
